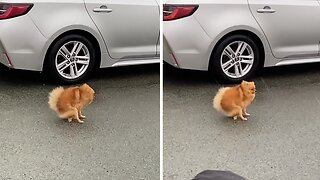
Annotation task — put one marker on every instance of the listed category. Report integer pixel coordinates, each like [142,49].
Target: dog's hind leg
[237,112]
[80,114]
[71,114]
[67,115]
[76,115]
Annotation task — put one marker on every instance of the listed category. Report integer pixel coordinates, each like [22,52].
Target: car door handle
[266,9]
[102,9]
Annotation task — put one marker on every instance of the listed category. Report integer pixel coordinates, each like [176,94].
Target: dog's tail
[54,97]
[217,99]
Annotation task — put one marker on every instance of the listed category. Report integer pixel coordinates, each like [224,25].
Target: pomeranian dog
[233,101]
[68,103]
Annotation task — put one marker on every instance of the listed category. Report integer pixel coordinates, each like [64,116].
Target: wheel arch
[85,33]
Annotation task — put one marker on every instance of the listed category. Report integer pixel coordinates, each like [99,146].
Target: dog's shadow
[228,122]
[62,127]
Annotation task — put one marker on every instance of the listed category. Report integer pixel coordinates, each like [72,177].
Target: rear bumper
[186,44]
[4,57]
[21,44]
[168,55]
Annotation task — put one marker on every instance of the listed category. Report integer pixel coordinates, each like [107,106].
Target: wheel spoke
[82,62]
[236,70]
[63,67]
[72,73]
[247,57]
[63,54]
[62,64]
[240,68]
[240,44]
[82,57]
[64,51]
[241,47]
[244,47]
[228,67]
[76,69]
[229,52]
[78,48]
[74,47]
[226,64]
[247,61]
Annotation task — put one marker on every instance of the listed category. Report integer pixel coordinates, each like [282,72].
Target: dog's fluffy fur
[68,103]
[233,101]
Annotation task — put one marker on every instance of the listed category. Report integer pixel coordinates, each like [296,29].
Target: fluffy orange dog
[233,101]
[68,103]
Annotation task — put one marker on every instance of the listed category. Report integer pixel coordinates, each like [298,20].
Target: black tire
[51,67]
[216,64]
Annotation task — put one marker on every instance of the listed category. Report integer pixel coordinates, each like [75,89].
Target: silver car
[235,38]
[69,39]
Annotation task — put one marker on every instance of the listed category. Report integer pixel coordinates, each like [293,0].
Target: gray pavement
[119,139]
[281,140]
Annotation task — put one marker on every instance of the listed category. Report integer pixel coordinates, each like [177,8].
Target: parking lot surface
[280,140]
[119,139]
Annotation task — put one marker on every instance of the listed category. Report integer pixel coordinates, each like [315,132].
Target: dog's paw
[235,118]
[82,117]
[244,119]
[81,122]
[69,120]
[247,114]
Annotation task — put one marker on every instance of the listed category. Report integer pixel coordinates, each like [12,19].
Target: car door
[291,26]
[130,28]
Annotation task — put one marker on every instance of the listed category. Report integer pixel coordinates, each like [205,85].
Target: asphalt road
[119,139]
[280,141]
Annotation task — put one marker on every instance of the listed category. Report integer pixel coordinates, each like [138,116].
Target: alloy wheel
[237,59]
[72,59]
